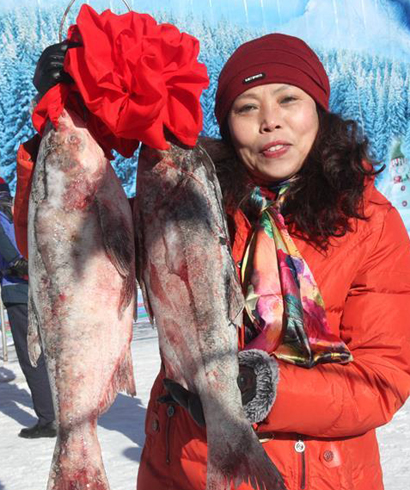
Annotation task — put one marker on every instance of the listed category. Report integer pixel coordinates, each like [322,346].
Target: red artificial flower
[135,77]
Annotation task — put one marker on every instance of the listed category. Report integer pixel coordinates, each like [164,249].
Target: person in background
[324,261]
[14,294]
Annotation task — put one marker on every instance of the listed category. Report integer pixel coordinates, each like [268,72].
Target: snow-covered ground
[24,464]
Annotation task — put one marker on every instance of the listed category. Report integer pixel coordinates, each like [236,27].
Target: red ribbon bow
[134,77]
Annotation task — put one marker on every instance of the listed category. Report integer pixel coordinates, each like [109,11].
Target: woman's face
[273,128]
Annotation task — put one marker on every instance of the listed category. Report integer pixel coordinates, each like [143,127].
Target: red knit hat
[274,58]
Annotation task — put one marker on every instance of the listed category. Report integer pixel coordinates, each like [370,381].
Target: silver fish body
[188,277]
[82,290]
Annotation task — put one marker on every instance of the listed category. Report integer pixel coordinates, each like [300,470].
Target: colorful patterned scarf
[283,300]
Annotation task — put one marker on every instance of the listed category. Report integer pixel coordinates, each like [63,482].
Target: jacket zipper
[170,414]
[300,448]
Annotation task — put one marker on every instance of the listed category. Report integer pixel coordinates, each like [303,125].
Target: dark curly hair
[321,203]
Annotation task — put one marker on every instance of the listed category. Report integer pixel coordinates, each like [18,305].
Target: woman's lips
[275,150]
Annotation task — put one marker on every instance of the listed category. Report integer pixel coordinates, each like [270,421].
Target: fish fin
[236,305]
[122,380]
[139,251]
[33,333]
[248,464]
[125,374]
[127,295]
[264,474]
[118,242]
[234,299]
[147,304]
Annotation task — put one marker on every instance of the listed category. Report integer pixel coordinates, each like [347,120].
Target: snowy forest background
[370,87]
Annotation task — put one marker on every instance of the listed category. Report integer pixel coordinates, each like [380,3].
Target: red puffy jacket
[321,430]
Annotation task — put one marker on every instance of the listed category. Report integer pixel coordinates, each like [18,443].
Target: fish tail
[247,464]
[122,380]
[77,461]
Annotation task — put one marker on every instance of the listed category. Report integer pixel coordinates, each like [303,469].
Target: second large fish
[82,289]
[192,290]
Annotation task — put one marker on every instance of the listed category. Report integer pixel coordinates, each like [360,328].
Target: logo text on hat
[253,78]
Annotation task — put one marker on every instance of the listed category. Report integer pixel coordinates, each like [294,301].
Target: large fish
[82,290]
[191,288]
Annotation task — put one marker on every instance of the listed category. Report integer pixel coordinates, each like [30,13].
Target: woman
[272,108]
[340,366]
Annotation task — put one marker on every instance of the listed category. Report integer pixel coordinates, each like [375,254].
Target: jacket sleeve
[26,158]
[333,400]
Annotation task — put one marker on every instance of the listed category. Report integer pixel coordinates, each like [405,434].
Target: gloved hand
[257,380]
[19,268]
[185,398]
[50,67]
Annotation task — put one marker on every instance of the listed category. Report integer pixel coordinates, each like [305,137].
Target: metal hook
[60,32]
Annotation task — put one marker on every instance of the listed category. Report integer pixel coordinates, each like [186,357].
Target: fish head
[75,164]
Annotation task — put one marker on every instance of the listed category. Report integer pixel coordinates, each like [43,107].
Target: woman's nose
[271,120]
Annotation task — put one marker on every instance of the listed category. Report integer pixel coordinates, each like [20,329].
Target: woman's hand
[190,401]
[257,380]
[50,67]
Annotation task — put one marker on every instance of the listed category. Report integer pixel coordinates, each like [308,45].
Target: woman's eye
[288,99]
[245,108]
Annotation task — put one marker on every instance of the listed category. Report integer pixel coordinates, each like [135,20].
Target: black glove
[190,401]
[50,67]
[19,268]
[257,380]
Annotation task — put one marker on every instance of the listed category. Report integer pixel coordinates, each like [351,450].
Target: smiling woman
[272,106]
[324,261]
[273,128]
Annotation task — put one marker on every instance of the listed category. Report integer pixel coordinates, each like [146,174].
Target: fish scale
[191,289]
